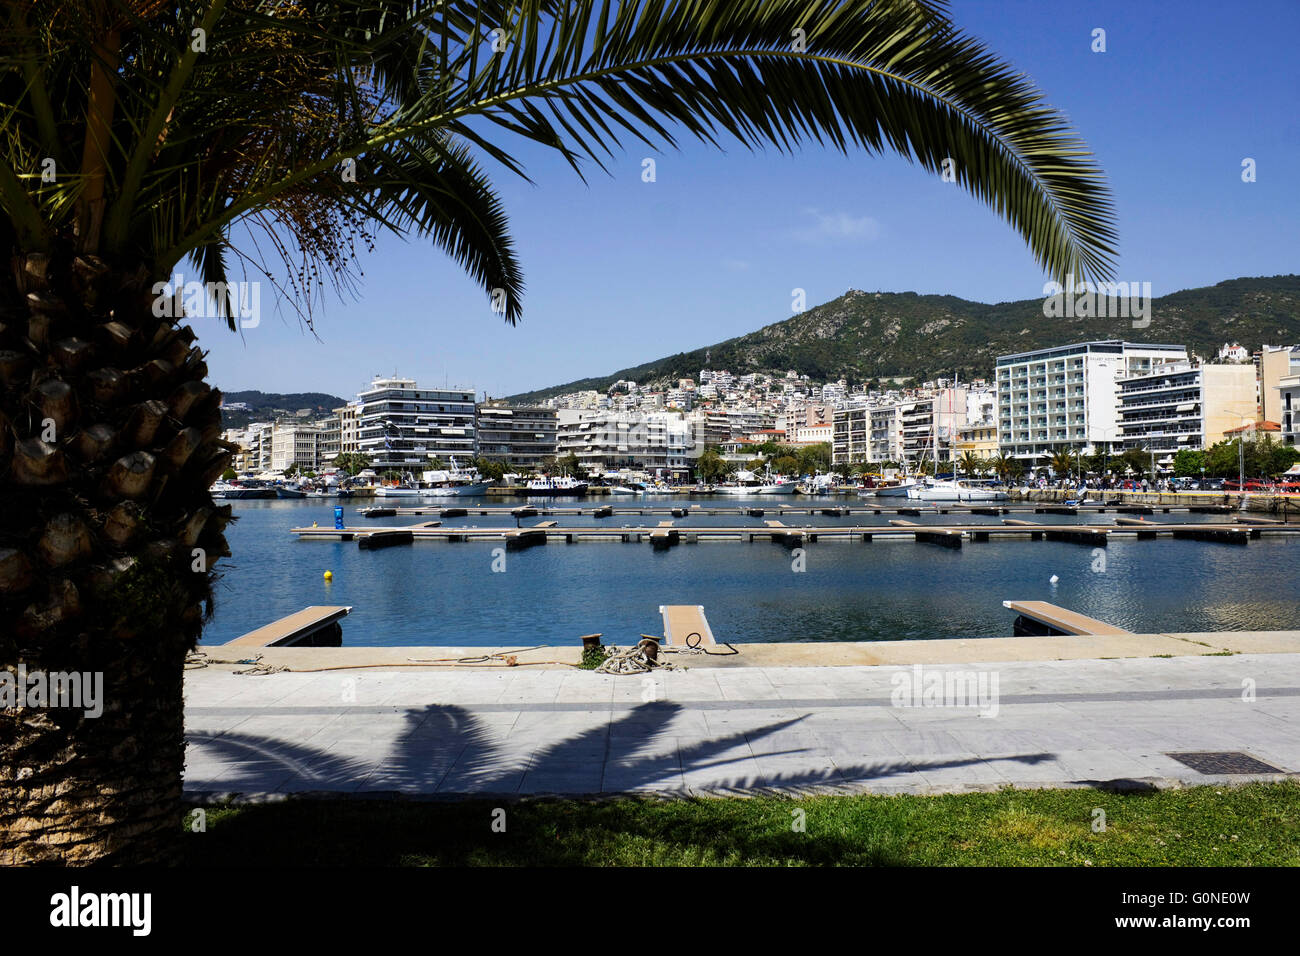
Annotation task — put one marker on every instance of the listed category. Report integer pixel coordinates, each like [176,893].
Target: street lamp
[1241,451]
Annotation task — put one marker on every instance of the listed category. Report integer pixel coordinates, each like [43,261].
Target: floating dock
[1041,619]
[948,535]
[316,626]
[686,626]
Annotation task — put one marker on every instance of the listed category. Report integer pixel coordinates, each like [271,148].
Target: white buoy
[1055,579]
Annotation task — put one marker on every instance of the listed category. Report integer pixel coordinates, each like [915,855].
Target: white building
[289,444]
[661,443]
[403,426]
[1067,397]
[1289,391]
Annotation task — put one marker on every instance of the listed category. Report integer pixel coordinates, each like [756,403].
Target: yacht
[900,490]
[934,490]
[748,483]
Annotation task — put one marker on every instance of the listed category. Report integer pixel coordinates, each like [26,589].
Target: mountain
[267,406]
[867,336]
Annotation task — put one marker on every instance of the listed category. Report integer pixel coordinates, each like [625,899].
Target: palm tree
[1062,463]
[270,138]
[1005,467]
[971,463]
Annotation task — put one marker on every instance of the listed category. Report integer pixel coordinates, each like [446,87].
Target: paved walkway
[518,731]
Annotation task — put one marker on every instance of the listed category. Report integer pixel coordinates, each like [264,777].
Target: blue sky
[621,271]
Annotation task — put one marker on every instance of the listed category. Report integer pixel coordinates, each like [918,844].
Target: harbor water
[474,594]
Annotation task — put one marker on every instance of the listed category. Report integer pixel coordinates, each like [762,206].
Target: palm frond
[415,92]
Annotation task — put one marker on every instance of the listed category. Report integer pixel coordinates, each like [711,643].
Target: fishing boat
[748,483]
[564,485]
[291,491]
[632,488]
[406,488]
[454,483]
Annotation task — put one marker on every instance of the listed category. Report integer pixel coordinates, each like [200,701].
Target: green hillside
[267,406]
[867,336]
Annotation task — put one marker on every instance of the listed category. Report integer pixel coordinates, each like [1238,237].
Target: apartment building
[1276,362]
[293,444]
[520,435]
[1185,406]
[403,426]
[867,434]
[349,417]
[1067,397]
[661,443]
[1289,404]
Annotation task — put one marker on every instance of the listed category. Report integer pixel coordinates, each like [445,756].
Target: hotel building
[1063,398]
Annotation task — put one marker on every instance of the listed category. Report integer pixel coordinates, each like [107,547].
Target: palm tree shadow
[447,750]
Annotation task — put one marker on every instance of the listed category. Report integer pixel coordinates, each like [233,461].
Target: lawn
[1249,825]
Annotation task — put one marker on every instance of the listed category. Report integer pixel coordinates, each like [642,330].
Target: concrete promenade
[1047,712]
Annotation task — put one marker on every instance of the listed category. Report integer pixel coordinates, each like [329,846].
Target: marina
[866,578]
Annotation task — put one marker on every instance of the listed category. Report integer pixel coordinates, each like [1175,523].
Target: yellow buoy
[329,575]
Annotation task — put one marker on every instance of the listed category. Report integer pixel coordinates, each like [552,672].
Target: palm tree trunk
[109,441]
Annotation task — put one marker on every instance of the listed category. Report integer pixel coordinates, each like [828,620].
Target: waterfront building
[867,434]
[1067,397]
[1184,406]
[979,439]
[294,444]
[349,423]
[520,435]
[1276,362]
[329,440]
[661,443]
[403,426]
[1289,402]
[930,425]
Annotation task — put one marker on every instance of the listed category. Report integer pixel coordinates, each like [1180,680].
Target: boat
[291,491]
[251,488]
[564,485]
[399,491]
[629,489]
[408,487]
[900,490]
[936,490]
[748,483]
[454,483]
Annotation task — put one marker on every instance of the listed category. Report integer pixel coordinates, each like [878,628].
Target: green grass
[1250,825]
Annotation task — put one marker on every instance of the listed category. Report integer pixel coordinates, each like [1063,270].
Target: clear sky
[621,271]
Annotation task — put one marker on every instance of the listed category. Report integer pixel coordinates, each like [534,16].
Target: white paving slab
[1056,723]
